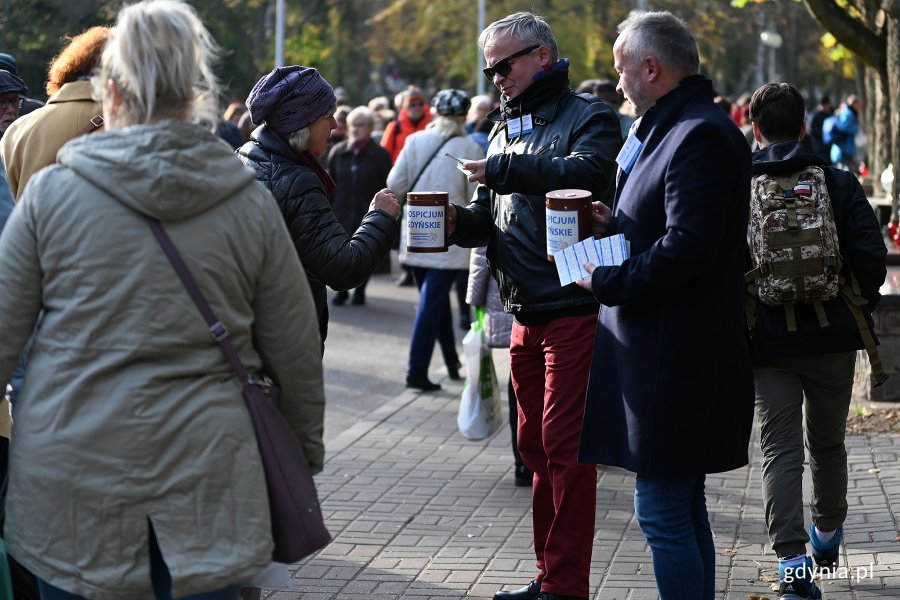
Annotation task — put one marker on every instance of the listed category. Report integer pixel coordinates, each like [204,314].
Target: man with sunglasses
[546,138]
[12,93]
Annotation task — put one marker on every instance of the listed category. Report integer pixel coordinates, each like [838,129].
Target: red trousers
[549,364]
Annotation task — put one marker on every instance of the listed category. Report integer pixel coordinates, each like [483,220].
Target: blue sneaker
[799,589]
[796,574]
[825,555]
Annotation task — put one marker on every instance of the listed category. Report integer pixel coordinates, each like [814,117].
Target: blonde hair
[160,58]
[448,126]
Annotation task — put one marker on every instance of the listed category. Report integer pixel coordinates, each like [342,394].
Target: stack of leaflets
[606,252]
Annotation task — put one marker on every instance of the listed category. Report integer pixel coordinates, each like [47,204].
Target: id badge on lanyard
[519,126]
[629,152]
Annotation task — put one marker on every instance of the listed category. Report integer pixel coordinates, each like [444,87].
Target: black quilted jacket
[330,255]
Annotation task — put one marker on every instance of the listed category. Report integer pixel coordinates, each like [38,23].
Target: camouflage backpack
[793,242]
[796,256]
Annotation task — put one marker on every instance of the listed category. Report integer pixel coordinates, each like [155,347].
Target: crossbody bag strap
[217,328]
[93,125]
[428,162]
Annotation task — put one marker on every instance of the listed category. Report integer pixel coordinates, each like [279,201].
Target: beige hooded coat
[129,412]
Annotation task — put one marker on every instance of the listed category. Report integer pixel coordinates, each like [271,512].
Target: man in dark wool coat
[670,395]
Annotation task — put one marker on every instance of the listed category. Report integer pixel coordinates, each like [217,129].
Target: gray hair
[299,140]
[479,103]
[527,28]
[364,113]
[160,57]
[662,35]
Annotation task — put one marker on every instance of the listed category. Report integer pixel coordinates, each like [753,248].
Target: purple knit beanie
[290,98]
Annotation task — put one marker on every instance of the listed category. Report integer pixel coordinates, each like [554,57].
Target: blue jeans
[159,577]
[434,320]
[671,511]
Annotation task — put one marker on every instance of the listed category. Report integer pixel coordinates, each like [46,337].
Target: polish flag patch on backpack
[793,238]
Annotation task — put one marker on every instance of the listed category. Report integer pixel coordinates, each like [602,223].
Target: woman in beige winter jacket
[32,141]
[134,468]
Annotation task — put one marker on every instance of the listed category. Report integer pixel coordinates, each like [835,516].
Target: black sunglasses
[503,67]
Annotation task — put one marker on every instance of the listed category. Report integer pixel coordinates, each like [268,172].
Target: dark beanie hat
[8,62]
[290,98]
[11,84]
[451,103]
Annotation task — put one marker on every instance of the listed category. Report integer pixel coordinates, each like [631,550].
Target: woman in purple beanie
[295,106]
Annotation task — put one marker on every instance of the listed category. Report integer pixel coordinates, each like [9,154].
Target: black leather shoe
[524,476]
[421,382]
[453,372]
[530,592]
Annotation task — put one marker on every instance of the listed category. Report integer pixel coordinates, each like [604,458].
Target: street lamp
[772,40]
[479,78]
[279,33]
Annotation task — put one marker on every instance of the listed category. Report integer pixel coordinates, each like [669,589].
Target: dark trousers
[825,382]
[549,364]
[462,285]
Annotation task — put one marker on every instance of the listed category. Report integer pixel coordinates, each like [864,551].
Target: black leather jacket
[573,145]
[329,254]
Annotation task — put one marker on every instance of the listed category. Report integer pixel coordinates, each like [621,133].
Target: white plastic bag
[479,409]
[276,576]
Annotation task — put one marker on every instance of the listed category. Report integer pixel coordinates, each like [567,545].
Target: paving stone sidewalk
[418,513]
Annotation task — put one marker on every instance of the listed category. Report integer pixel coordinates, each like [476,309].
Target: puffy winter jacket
[483,291]
[331,256]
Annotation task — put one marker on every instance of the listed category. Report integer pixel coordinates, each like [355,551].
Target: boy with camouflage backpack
[817,260]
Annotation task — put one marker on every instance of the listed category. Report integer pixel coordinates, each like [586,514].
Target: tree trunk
[878,44]
[893,81]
